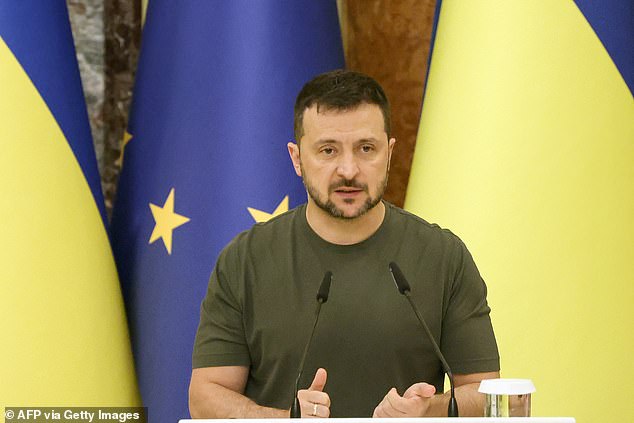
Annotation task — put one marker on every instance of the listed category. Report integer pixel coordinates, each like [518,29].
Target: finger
[397,405]
[424,390]
[385,410]
[319,381]
[385,407]
[321,411]
[311,409]
[378,411]
[313,397]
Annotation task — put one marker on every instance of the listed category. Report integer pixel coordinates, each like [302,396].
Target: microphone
[322,297]
[404,289]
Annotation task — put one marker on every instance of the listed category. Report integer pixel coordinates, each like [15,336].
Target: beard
[331,208]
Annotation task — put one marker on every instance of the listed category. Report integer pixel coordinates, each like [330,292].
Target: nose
[347,167]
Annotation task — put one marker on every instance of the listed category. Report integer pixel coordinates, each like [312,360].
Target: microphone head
[399,279]
[324,288]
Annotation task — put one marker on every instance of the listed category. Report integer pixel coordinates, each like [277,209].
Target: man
[369,356]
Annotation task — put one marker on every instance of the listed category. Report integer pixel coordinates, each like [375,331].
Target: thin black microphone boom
[322,297]
[404,289]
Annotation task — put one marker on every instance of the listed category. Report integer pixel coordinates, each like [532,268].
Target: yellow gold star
[261,216]
[124,142]
[166,221]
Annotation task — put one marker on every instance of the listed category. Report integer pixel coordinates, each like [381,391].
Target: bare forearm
[214,401]
[470,402]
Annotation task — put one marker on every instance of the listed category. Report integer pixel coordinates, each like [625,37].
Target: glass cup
[507,397]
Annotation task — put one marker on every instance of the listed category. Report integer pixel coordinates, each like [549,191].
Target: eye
[367,148]
[328,151]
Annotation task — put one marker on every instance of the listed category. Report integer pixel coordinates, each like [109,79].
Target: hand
[414,402]
[313,401]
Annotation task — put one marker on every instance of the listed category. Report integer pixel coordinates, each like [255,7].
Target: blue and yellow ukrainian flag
[64,333]
[526,149]
[205,158]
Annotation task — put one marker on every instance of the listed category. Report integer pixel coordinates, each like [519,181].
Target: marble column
[389,40]
[107,37]
[122,42]
[87,23]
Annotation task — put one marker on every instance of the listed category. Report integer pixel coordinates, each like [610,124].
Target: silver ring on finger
[315,410]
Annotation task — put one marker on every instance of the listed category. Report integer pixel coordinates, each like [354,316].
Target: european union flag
[205,156]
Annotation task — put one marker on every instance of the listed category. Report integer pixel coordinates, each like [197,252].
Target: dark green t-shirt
[260,307]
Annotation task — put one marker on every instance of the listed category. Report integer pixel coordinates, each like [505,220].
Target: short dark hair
[340,90]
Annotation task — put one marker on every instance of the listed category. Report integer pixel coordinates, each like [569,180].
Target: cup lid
[507,386]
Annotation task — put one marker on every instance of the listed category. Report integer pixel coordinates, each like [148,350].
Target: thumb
[319,381]
[423,390]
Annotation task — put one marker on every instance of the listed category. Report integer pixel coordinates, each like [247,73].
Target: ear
[293,151]
[390,148]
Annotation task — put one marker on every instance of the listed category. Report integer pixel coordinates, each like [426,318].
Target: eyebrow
[370,140]
[359,141]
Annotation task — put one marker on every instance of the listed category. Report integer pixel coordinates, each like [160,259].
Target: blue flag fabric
[612,20]
[204,157]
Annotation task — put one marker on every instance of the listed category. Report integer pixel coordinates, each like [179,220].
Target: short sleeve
[220,339]
[467,339]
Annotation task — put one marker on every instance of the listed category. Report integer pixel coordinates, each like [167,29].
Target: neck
[344,231]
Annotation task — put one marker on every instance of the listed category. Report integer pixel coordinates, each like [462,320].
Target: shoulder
[263,234]
[411,225]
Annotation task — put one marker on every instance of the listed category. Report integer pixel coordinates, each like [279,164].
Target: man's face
[344,159]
